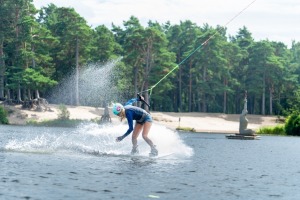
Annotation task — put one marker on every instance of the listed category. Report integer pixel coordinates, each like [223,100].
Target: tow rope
[205,42]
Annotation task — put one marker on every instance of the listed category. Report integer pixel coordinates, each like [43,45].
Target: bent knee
[145,137]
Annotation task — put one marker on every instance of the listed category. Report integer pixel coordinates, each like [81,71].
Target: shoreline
[200,122]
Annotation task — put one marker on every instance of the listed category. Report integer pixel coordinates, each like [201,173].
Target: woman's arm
[131,101]
[130,128]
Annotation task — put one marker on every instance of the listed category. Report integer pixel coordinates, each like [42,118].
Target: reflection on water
[86,163]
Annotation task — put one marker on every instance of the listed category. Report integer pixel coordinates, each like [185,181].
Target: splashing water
[98,140]
[96,85]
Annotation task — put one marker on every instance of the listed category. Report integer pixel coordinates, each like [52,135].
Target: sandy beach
[200,122]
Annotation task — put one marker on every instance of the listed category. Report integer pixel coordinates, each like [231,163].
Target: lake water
[86,163]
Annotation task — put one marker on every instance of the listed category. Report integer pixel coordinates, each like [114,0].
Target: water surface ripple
[86,163]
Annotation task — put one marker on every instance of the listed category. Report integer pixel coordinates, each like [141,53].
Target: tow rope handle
[140,99]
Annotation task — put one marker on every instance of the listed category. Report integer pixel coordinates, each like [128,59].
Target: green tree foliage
[35,80]
[233,53]
[73,49]
[104,46]
[6,30]
[244,41]
[292,125]
[183,41]
[212,70]
[3,116]
[24,44]
[146,56]
[68,28]
[163,61]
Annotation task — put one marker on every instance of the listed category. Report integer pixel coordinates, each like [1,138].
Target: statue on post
[244,121]
[244,133]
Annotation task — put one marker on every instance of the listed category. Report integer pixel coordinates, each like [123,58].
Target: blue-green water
[86,163]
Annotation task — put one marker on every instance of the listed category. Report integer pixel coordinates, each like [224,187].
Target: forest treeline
[39,48]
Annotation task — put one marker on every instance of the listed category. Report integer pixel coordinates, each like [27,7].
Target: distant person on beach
[143,123]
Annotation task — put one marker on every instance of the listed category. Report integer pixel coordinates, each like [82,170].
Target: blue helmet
[117,108]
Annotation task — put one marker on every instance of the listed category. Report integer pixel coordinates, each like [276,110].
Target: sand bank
[201,122]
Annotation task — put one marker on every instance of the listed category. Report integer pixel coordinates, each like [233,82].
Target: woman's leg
[136,132]
[147,126]
[146,130]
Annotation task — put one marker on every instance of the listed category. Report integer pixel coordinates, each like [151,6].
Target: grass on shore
[187,129]
[277,130]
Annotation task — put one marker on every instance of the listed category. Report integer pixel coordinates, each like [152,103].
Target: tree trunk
[136,71]
[77,73]
[271,100]
[179,107]
[146,97]
[199,102]
[225,97]
[8,94]
[252,109]
[263,112]
[149,63]
[17,53]
[135,79]
[29,94]
[203,93]
[19,98]
[190,88]
[2,69]
[37,94]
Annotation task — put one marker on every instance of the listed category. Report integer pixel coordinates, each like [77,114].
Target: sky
[275,20]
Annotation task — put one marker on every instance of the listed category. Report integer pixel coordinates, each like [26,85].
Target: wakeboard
[159,156]
[137,156]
